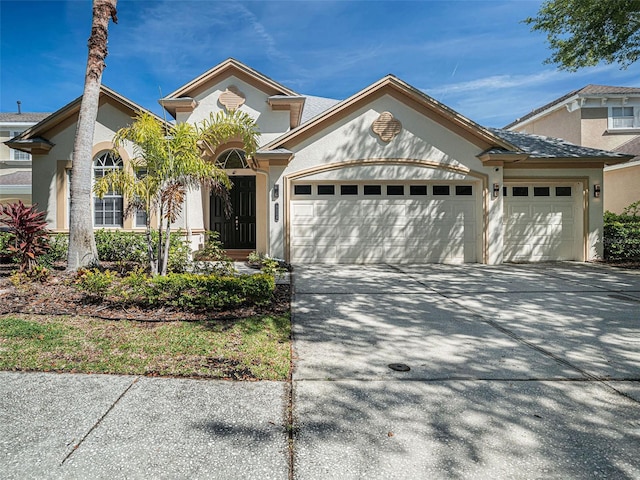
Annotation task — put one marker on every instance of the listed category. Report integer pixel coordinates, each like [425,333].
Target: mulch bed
[58,296]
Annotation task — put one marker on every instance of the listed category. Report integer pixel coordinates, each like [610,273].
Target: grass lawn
[250,348]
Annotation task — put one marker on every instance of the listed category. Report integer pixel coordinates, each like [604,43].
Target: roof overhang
[34,146]
[226,69]
[405,93]
[293,103]
[498,159]
[178,105]
[271,158]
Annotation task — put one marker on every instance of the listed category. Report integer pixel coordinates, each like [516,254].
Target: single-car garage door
[542,222]
[383,222]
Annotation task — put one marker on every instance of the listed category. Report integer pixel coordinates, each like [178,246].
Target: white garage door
[542,222]
[381,223]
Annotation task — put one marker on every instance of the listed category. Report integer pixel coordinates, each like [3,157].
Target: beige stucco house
[15,165]
[386,175]
[596,116]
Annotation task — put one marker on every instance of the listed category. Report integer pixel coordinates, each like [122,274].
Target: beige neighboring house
[15,165]
[596,116]
[388,175]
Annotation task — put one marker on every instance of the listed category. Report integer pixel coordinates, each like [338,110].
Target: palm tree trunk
[82,245]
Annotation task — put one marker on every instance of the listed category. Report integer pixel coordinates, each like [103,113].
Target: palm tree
[171,158]
[82,245]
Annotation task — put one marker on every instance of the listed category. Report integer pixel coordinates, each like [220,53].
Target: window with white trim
[140,216]
[107,211]
[622,117]
[17,155]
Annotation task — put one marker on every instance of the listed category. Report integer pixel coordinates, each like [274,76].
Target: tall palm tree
[171,158]
[82,245]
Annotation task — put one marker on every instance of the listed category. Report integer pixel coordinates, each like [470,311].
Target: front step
[238,255]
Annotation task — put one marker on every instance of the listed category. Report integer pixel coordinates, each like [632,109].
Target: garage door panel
[378,229]
[542,228]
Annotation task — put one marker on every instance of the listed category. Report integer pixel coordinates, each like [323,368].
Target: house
[386,175]
[15,165]
[602,117]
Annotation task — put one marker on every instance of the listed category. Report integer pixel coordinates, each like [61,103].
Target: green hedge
[182,290]
[621,237]
[115,246]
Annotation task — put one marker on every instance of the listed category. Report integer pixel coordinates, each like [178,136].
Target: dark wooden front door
[238,231]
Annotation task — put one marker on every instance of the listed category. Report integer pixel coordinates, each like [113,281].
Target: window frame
[632,117]
[13,152]
[109,197]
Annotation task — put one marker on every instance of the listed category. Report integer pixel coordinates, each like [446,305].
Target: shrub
[119,246]
[95,282]
[29,235]
[116,246]
[192,291]
[5,240]
[212,259]
[58,248]
[621,236]
[181,290]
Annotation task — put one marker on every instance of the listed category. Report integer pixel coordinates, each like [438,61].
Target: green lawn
[252,348]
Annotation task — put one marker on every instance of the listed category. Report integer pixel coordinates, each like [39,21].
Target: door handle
[237,224]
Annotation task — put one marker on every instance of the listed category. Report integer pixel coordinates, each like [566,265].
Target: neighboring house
[596,116]
[387,175]
[15,165]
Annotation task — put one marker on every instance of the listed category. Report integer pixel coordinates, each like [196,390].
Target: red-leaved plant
[28,227]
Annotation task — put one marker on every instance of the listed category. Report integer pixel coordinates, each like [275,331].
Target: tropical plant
[27,227]
[82,246]
[171,157]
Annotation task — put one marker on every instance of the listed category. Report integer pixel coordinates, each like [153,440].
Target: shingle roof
[16,178]
[314,106]
[632,147]
[538,146]
[595,90]
[32,117]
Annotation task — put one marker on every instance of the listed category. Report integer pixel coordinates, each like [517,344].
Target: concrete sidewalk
[112,427]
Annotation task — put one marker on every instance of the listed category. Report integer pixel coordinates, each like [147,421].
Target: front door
[238,231]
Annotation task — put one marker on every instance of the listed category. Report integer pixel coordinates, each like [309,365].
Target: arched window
[107,211]
[234,158]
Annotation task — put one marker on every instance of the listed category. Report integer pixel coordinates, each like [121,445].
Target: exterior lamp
[596,190]
[496,190]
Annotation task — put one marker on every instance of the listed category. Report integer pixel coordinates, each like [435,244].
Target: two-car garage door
[340,222]
[384,222]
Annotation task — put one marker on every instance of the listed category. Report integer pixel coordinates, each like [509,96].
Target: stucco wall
[621,187]
[46,167]
[558,124]
[271,123]
[444,155]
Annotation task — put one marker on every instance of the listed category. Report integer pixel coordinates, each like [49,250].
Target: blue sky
[475,56]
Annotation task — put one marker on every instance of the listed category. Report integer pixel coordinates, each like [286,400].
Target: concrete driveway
[516,371]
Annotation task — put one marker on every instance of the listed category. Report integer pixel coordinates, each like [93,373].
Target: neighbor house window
[622,117]
[107,211]
[17,155]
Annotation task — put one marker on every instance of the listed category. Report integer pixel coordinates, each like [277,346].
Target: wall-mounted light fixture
[276,191]
[276,212]
[596,190]
[496,190]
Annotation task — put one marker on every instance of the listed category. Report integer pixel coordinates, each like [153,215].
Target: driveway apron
[516,371]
